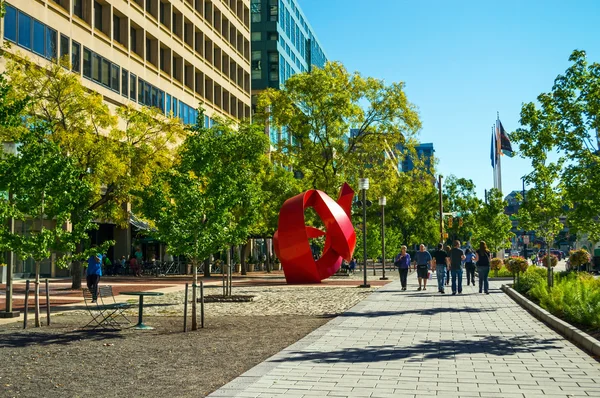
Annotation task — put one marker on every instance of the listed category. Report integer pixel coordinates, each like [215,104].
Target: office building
[425,153]
[283,44]
[170,54]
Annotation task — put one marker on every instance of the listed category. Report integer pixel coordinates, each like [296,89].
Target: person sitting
[352,265]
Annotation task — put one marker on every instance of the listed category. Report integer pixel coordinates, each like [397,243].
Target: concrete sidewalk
[421,344]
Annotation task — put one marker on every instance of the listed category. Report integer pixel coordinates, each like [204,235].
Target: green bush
[502,273]
[574,297]
[530,279]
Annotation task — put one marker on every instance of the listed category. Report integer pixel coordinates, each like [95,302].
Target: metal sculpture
[291,239]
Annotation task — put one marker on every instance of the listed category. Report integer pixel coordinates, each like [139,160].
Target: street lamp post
[382,204]
[363,184]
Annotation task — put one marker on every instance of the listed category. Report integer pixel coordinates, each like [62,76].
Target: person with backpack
[402,261]
[440,257]
[482,256]
[470,266]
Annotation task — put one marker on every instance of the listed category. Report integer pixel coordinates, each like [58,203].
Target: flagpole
[499,165]
[495,157]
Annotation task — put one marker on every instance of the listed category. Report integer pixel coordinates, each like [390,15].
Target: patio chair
[108,300]
[102,314]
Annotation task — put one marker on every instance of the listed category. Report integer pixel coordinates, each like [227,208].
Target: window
[141,91]
[64,47]
[273,10]
[10,24]
[24,24]
[133,39]
[273,36]
[97,15]
[51,48]
[163,13]
[273,66]
[168,105]
[256,10]
[105,72]
[153,96]
[256,36]
[117,28]
[161,100]
[87,61]
[281,14]
[96,67]
[75,56]
[147,99]
[124,83]
[78,8]
[256,66]
[148,49]
[175,107]
[132,87]
[39,31]
[114,77]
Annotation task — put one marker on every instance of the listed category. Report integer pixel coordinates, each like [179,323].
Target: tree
[209,199]
[459,197]
[115,161]
[337,126]
[492,225]
[46,189]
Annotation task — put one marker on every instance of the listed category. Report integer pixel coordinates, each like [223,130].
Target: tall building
[283,44]
[425,152]
[170,54]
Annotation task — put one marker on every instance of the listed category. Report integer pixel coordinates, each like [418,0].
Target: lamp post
[382,204]
[363,185]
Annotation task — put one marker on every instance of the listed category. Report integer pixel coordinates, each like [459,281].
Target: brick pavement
[422,344]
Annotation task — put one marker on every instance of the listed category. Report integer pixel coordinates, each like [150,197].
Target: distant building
[424,151]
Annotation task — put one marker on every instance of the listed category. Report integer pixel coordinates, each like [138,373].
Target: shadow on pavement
[24,339]
[445,349]
[424,312]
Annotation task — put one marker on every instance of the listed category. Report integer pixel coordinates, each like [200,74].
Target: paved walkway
[421,344]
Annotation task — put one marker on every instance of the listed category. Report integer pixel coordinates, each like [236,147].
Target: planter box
[570,332]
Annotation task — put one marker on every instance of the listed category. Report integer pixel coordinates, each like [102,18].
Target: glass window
[78,8]
[133,39]
[256,10]
[105,72]
[75,56]
[39,31]
[64,47]
[281,13]
[96,67]
[51,43]
[175,107]
[114,77]
[273,36]
[97,15]
[87,61]
[132,87]
[161,100]
[256,36]
[124,83]
[148,49]
[168,105]
[10,24]
[153,96]
[141,85]
[116,28]
[147,100]
[273,10]
[256,66]
[206,121]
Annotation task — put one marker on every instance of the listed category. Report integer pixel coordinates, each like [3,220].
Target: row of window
[29,33]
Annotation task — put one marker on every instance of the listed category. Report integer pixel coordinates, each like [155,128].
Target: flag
[493,151]
[505,145]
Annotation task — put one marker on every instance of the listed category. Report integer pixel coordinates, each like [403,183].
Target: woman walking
[470,266]
[482,256]
[403,263]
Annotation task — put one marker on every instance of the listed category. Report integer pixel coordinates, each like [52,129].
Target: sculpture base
[12,314]
[365,286]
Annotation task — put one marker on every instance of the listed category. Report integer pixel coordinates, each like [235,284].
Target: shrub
[502,273]
[579,257]
[530,279]
[516,265]
[553,261]
[496,264]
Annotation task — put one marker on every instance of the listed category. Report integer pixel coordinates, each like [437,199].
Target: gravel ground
[64,361]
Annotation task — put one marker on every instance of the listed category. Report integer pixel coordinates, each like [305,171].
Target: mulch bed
[64,361]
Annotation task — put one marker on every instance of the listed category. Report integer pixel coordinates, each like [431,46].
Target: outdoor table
[140,324]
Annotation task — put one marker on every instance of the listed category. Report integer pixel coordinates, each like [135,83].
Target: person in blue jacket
[93,274]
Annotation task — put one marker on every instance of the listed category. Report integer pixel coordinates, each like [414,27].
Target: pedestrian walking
[93,274]
[447,249]
[423,259]
[470,266]
[456,258]
[482,256]
[440,258]
[402,261]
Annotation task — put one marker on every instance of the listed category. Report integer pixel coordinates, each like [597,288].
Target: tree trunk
[76,269]
[243,259]
[37,295]
[194,287]
[268,246]
[207,268]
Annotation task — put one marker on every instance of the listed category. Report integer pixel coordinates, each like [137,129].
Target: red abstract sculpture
[291,239]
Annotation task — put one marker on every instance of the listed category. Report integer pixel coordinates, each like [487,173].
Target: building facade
[170,54]
[425,152]
[283,44]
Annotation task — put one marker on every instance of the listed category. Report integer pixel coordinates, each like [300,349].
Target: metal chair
[102,314]
[108,300]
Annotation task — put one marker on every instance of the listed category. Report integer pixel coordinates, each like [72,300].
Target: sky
[463,62]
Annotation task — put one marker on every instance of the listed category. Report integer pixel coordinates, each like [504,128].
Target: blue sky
[462,62]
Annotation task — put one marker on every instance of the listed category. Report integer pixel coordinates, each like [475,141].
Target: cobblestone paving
[421,344]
